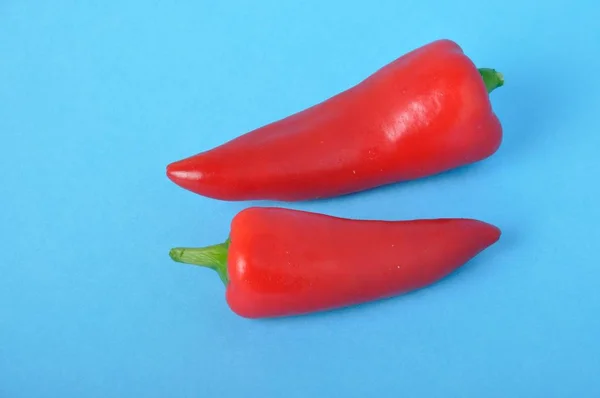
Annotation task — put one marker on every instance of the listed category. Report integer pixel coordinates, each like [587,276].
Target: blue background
[97,97]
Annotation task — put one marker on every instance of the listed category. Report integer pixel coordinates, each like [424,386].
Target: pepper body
[282,262]
[424,113]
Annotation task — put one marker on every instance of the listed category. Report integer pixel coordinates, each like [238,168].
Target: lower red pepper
[280,262]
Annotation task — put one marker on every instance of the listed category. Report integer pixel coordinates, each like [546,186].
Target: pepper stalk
[491,78]
[213,257]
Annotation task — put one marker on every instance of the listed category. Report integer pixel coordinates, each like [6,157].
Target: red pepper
[426,112]
[280,262]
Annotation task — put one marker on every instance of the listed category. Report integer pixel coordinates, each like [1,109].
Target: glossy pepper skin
[282,262]
[424,113]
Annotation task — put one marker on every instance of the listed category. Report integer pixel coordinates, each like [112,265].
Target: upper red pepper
[426,112]
[280,262]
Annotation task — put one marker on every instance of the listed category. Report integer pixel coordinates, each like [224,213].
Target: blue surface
[97,97]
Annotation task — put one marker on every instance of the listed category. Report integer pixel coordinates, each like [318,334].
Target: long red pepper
[424,113]
[279,262]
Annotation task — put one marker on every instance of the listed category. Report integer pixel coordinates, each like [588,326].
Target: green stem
[491,78]
[214,257]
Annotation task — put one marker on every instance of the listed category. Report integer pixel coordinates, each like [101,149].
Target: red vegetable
[280,262]
[426,112]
